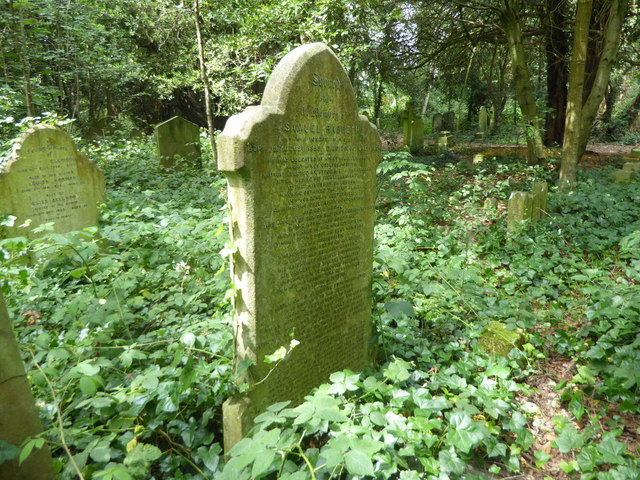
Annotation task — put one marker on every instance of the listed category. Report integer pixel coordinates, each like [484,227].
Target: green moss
[497,340]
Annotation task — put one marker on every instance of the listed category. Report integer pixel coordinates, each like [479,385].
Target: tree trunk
[18,414]
[580,116]
[24,61]
[205,81]
[557,48]
[524,90]
[571,144]
[633,111]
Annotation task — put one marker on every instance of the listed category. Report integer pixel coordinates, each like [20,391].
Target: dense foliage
[127,336]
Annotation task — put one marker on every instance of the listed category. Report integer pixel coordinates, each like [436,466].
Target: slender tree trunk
[633,111]
[205,81]
[18,414]
[426,103]
[557,48]
[24,61]
[582,115]
[524,90]
[571,145]
[464,88]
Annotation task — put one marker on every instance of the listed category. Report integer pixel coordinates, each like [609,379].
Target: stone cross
[301,171]
[46,180]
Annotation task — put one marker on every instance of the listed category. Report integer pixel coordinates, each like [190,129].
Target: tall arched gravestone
[301,176]
[47,180]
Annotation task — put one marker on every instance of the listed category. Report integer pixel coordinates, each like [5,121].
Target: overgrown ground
[131,325]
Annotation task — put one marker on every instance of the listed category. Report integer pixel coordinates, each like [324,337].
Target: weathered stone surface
[445,141]
[47,180]
[301,176]
[519,209]
[498,340]
[436,123]
[412,128]
[18,414]
[632,167]
[449,121]
[178,138]
[490,203]
[540,191]
[622,176]
[635,153]
[483,120]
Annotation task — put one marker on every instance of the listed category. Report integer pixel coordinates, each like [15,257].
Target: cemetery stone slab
[635,153]
[622,176]
[632,167]
[47,180]
[449,121]
[445,140]
[540,191]
[519,209]
[301,176]
[483,120]
[436,123]
[178,138]
[412,128]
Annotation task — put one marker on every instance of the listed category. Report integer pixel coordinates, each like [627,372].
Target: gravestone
[622,176]
[492,118]
[436,123]
[445,141]
[449,121]
[540,191]
[412,128]
[519,209]
[635,153]
[632,167]
[18,415]
[301,173]
[47,180]
[483,120]
[178,138]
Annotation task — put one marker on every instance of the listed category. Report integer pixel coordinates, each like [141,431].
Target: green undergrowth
[129,327]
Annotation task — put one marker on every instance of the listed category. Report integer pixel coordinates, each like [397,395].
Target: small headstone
[47,180]
[622,176]
[178,138]
[497,340]
[490,203]
[492,118]
[445,141]
[519,209]
[436,123]
[635,153]
[412,128]
[540,191]
[449,121]
[301,171]
[632,167]
[478,158]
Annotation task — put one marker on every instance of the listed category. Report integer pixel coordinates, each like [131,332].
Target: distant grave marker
[47,180]
[178,138]
[412,128]
[301,173]
[483,123]
[436,123]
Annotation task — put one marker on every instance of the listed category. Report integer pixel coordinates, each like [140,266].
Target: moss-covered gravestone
[412,128]
[178,140]
[445,141]
[436,123]
[483,123]
[498,340]
[18,414]
[46,180]
[635,153]
[525,206]
[301,171]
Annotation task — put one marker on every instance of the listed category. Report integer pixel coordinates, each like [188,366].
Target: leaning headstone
[412,128]
[46,180]
[540,191]
[18,415]
[519,209]
[178,140]
[436,123]
[301,171]
[449,121]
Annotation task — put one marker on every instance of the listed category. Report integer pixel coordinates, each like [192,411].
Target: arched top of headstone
[308,75]
[38,136]
[311,69]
